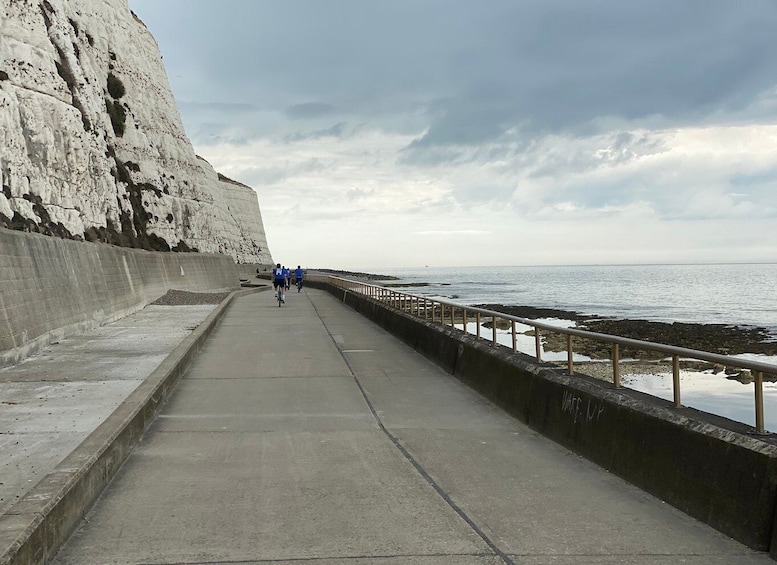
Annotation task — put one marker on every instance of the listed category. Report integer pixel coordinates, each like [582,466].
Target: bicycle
[279,288]
[279,282]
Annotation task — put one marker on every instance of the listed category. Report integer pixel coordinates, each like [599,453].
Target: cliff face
[91,143]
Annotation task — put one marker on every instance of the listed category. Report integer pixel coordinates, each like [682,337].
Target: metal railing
[445,311]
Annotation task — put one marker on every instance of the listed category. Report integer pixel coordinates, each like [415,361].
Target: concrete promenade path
[308,435]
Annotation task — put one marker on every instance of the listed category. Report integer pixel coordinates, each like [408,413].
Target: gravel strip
[186,298]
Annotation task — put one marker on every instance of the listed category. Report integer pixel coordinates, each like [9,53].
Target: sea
[732,294]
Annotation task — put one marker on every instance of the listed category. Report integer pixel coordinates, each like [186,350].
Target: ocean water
[735,294]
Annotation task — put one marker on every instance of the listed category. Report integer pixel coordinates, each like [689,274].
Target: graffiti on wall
[581,410]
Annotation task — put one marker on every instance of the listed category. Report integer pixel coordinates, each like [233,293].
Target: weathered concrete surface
[54,400]
[52,288]
[307,433]
[70,414]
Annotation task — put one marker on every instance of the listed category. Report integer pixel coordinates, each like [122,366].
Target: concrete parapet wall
[707,466]
[51,288]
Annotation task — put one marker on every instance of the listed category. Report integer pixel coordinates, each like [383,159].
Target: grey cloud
[220,132]
[473,72]
[309,110]
[768,178]
[356,194]
[672,203]
[626,147]
[257,176]
[679,62]
[485,191]
[430,155]
[338,130]
[228,108]
[622,148]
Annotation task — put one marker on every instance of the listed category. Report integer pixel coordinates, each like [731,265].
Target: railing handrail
[756,367]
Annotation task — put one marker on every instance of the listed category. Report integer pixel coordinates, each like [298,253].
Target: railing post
[515,338]
[537,344]
[464,313]
[616,366]
[426,309]
[676,380]
[758,379]
[477,319]
[570,355]
[493,329]
[453,317]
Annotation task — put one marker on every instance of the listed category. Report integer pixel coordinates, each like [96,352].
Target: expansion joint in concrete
[412,460]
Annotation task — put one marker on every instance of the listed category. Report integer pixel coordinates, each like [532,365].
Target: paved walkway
[306,434]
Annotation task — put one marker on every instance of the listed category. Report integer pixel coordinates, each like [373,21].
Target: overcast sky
[503,132]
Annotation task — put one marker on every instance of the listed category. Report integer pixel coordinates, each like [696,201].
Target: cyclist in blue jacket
[298,275]
[286,276]
[279,281]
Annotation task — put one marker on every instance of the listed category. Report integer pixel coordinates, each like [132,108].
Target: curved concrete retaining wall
[248,271]
[706,466]
[51,288]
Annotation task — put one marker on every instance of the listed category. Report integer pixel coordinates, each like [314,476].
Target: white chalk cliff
[91,142]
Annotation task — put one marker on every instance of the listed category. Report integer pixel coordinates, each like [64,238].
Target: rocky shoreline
[713,338]
[357,275]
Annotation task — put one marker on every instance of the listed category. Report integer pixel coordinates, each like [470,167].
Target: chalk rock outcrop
[91,142]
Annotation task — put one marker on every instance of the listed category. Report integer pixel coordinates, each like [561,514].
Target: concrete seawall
[52,288]
[249,272]
[708,467]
